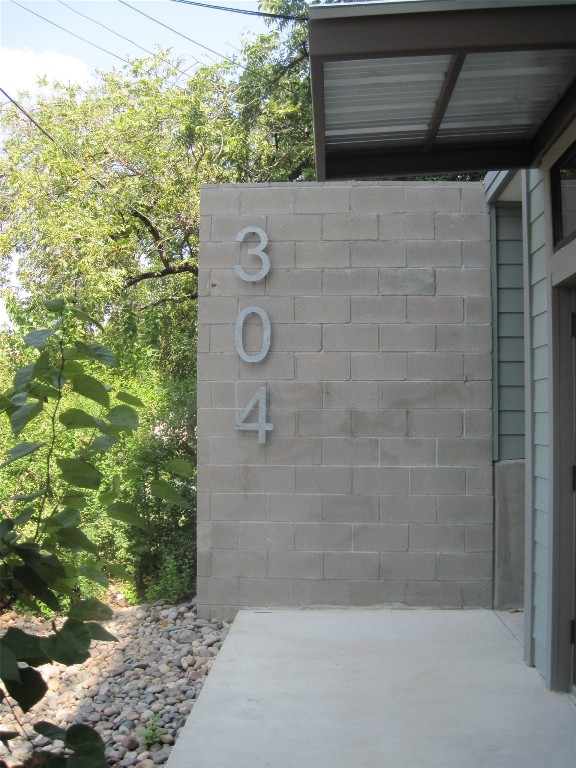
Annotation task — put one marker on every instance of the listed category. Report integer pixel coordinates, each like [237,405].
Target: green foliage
[153,731]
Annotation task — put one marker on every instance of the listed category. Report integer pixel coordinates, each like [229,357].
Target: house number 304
[259,400]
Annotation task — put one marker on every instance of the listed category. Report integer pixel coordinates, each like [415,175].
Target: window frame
[560,239]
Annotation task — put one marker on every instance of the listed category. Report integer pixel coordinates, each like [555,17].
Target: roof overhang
[436,86]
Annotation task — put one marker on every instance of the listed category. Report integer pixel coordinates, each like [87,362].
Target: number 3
[257,250]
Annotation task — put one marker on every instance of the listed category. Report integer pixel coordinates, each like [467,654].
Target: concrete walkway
[375,689]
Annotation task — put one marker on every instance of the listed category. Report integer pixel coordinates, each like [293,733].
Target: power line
[243,11]
[29,10]
[133,42]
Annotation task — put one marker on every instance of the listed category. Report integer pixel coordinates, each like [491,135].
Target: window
[563,181]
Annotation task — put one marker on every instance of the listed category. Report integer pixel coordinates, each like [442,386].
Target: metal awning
[433,86]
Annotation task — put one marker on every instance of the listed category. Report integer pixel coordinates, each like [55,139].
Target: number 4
[261,426]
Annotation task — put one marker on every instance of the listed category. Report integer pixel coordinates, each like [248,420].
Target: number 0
[265,334]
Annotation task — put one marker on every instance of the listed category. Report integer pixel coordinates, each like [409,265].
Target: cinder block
[321,423]
[231,563]
[350,282]
[468,566]
[318,254]
[324,366]
[380,537]
[218,535]
[322,309]
[479,480]
[280,309]
[215,421]
[464,338]
[473,199]
[264,593]
[322,199]
[365,593]
[436,538]
[294,282]
[478,309]
[435,309]
[225,282]
[235,506]
[462,226]
[406,226]
[468,394]
[368,366]
[378,199]
[216,309]
[370,253]
[478,367]
[351,565]
[296,394]
[354,395]
[407,566]
[433,253]
[246,479]
[324,537]
[294,450]
[217,367]
[477,594]
[220,201]
[205,231]
[380,423]
[276,365]
[295,565]
[204,563]
[237,448]
[407,394]
[297,227]
[435,366]
[463,282]
[203,340]
[294,507]
[476,253]
[350,338]
[202,450]
[464,452]
[478,423]
[434,594]
[465,509]
[297,338]
[350,226]
[407,282]
[311,593]
[378,309]
[348,452]
[424,422]
[434,199]
[407,451]
[408,509]
[433,480]
[323,480]
[217,591]
[266,199]
[223,393]
[220,255]
[265,535]
[479,538]
[407,338]
[351,508]
[380,480]
[225,228]
[221,338]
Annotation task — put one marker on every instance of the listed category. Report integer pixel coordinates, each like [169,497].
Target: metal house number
[259,398]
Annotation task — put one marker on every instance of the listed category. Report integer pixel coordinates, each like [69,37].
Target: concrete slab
[375,689]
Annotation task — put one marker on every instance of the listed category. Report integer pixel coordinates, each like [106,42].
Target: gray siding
[509,438]
[539,418]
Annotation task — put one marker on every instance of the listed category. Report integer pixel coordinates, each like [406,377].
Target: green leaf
[80,473]
[180,467]
[132,473]
[123,416]
[28,496]
[76,418]
[79,736]
[126,514]
[55,305]
[24,516]
[96,352]
[23,376]
[38,338]
[42,364]
[86,318]
[76,540]
[29,691]
[5,736]
[6,525]
[36,585]
[24,414]
[50,731]
[91,388]
[25,647]
[94,574]
[72,367]
[90,610]
[103,443]
[8,664]
[19,398]
[97,632]
[69,645]
[21,450]
[163,490]
[118,570]
[57,761]
[125,397]
[74,499]
[66,518]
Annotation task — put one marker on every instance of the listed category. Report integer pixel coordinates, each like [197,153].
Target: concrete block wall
[375,485]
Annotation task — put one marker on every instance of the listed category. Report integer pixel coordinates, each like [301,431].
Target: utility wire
[133,42]
[243,11]
[29,10]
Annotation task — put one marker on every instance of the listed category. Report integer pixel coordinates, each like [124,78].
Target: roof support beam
[444,99]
